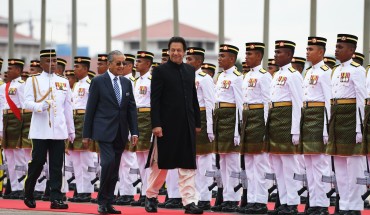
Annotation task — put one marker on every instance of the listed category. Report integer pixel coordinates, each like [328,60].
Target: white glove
[358,137]
[325,139]
[71,137]
[236,140]
[211,137]
[295,139]
[45,105]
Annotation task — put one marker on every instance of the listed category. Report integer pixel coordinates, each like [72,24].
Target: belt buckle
[305,104]
[271,105]
[245,106]
[217,105]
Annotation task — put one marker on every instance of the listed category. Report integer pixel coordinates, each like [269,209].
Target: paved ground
[19,212]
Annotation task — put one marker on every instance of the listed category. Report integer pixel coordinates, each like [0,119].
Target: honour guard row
[282,129]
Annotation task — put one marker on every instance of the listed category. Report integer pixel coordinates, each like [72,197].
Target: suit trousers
[110,159]
[256,166]
[347,170]
[285,166]
[204,163]
[316,167]
[40,148]
[186,181]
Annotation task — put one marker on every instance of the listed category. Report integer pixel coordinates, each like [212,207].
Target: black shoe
[12,195]
[94,201]
[58,204]
[353,212]
[139,202]
[192,209]
[45,197]
[112,210]
[242,209]
[75,198]
[29,202]
[83,197]
[124,200]
[151,205]
[257,208]
[175,203]
[204,205]
[289,210]
[272,197]
[231,206]
[102,209]
[218,208]
[37,195]
[163,204]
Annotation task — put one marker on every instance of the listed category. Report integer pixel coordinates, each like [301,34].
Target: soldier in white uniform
[330,61]
[142,85]
[345,131]
[82,158]
[49,97]
[358,58]
[256,95]
[12,97]
[283,126]
[228,116]
[209,69]
[128,158]
[204,140]
[314,122]
[102,63]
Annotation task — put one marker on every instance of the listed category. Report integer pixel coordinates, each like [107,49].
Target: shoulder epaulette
[1,83]
[21,81]
[237,73]
[308,68]
[35,74]
[355,64]
[132,78]
[202,74]
[150,77]
[324,67]
[262,70]
[62,76]
[291,69]
[88,80]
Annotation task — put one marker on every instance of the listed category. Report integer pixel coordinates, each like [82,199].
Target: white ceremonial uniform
[286,165]
[348,168]
[317,88]
[257,165]
[128,160]
[14,157]
[230,162]
[82,159]
[142,99]
[206,98]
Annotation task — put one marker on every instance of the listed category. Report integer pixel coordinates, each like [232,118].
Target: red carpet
[88,208]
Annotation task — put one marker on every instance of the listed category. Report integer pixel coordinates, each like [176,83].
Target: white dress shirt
[142,90]
[317,87]
[81,93]
[118,82]
[348,81]
[206,96]
[287,86]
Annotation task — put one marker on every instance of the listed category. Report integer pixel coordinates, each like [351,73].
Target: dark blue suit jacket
[104,116]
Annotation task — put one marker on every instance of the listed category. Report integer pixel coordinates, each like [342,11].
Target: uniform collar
[198,71]
[285,67]
[145,75]
[347,63]
[230,70]
[319,64]
[84,79]
[256,68]
[16,79]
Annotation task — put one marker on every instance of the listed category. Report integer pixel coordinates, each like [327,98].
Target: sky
[289,20]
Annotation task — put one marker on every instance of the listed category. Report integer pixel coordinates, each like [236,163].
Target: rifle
[70,169]
[243,181]
[6,171]
[46,174]
[135,172]
[333,181]
[217,181]
[272,176]
[23,169]
[303,178]
[97,171]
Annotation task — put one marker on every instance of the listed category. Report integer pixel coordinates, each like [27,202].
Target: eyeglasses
[119,63]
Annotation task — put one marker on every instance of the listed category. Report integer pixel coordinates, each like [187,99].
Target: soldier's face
[142,65]
[193,61]
[209,72]
[13,72]
[252,58]
[225,60]
[128,68]
[164,60]
[282,57]
[298,67]
[344,51]
[35,70]
[314,54]
[272,69]
[59,70]
[102,67]
[80,71]
[48,64]
[177,52]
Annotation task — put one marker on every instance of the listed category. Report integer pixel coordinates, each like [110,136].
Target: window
[197,44]
[162,44]
[210,46]
[135,45]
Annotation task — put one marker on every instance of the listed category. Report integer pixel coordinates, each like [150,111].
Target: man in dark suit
[110,115]
[175,118]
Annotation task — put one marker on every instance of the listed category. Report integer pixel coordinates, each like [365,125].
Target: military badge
[12,91]
[313,79]
[344,76]
[226,84]
[143,90]
[60,86]
[252,82]
[281,80]
[81,91]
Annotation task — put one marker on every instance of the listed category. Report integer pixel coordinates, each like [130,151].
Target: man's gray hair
[112,53]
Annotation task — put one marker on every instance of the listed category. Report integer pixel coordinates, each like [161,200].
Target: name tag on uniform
[60,86]
[313,79]
[12,91]
[281,80]
[226,84]
[344,76]
[252,82]
[143,90]
[81,91]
